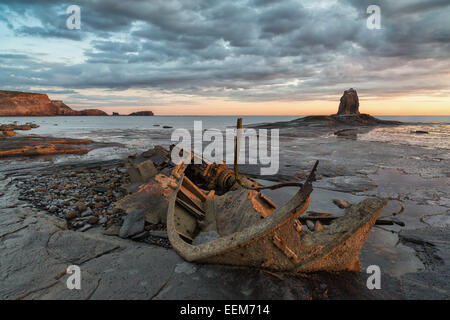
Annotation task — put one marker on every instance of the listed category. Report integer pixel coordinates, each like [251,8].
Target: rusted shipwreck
[215,216]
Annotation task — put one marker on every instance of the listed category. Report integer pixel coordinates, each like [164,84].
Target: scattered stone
[347,133]
[81,207]
[343,204]
[71,215]
[87,213]
[140,236]
[318,226]
[9,133]
[112,231]
[100,189]
[85,228]
[310,225]
[133,223]
[98,205]
[92,220]
[141,172]
[159,233]
[152,198]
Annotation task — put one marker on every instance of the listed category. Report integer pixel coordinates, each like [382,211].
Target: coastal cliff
[15,103]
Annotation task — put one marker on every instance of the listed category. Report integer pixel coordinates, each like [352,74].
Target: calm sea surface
[140,133]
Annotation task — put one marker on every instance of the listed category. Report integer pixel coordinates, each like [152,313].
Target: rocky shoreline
[12,145]
[59,214]
[331,122]
[85,197]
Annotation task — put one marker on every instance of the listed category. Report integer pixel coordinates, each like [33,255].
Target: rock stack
[349,104]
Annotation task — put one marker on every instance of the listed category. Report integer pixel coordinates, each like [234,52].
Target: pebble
[88,212]
[159,233]
[85,199]
[310,225]
[100,189]
[81,206]
[98,205]
[318,226]
[140,236]
[85,227]
[342,203]
[52,209]
[92,220]
[71,215]
[112,231]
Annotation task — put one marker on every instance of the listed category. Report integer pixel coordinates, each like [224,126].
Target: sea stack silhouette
[347,116]
[349,103]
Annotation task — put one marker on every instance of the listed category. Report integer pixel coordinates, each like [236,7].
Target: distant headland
[19,104]
[138,113]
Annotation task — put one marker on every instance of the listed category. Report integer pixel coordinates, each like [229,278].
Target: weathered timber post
[237,148]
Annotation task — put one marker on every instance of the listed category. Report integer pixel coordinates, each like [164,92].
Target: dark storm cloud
[245,50]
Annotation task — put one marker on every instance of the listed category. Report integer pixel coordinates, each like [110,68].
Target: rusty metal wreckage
[215,215]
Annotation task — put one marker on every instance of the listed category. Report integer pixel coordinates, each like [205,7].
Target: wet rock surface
[313,125]
[121,269]
[35,250]
[432,246]
[32,146]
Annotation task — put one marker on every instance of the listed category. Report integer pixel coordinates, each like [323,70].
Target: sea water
[136,134]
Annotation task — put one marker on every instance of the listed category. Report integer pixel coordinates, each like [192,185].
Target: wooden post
[237,148]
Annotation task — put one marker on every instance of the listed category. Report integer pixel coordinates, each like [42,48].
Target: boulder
[141,172]
[349,104]
[152,198]
[133,223]
[9,133]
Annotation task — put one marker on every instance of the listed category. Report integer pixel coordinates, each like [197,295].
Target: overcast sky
[230,57]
